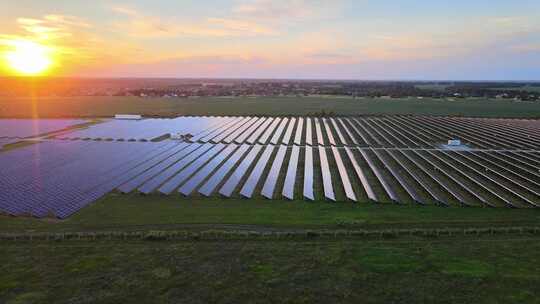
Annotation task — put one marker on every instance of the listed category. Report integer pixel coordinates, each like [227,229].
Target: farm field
[108,106]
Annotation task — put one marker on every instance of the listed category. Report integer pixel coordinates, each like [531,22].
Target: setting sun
[29,58]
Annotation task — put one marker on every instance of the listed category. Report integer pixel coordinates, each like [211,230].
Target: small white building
[454,142]
[128,116]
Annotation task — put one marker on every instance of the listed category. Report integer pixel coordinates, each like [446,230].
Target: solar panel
[271,179]
[338,131]
[349,192]
[309,136]
[183,175]
[213,182]
[349,133]
[329,132]
[198,178]
[253,137]
[264,138]
[408,188]
[188,155]
[389,191]
[237,175]
[290,178]
[456,180]
[239,131]
[318,132]
[287,137]
[415,176]
[253,179]
[279,131]
[360,173]
[242,137]
[326,175]
[299,130]
[170,159]
[308,174]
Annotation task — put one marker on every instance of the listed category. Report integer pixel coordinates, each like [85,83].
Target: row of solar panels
[147,129]
[22,128]
[385,131]
[57,178]
[422,176]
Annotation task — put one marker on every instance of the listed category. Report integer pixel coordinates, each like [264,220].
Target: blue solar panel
[271,179]
[253,179]
[213,182]
[308,174]
[198,178]
[237,175]
[309,135]
[326,175]
[183,175]
[290,178]
[349,192]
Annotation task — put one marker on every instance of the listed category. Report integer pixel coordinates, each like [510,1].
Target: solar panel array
[20,128]
[386,159]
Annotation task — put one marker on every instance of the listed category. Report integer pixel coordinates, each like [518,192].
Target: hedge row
[256,235]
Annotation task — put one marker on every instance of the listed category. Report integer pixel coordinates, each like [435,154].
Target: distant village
[187,88]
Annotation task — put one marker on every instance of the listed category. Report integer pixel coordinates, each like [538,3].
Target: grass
[136,212]
[108,106]
[405,269]
[408,271]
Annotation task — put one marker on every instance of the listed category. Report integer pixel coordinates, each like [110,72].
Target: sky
[312,39]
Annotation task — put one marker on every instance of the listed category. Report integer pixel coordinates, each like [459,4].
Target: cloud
[144,26]
[286,10]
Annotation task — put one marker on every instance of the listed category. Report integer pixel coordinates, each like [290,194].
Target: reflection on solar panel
[20,128]
[326,175]
[287,137]
[237,132]
[226,133]
[213,182]
[298,134]
[198,178]
[360,173]
[253,179]
[338,131]
[329,132]
[183,175]
[264,138]
[237,175]
[343,174]
[349,133]
[271,179]
[242,137]
[253,137]
[279,131]
[290,178]
[308,174]
[318,132]
[309,135]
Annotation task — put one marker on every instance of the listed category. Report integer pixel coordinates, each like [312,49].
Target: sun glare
[29,58]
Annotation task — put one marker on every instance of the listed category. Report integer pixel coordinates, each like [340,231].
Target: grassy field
[405,269]
[108,106]
[137,212]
